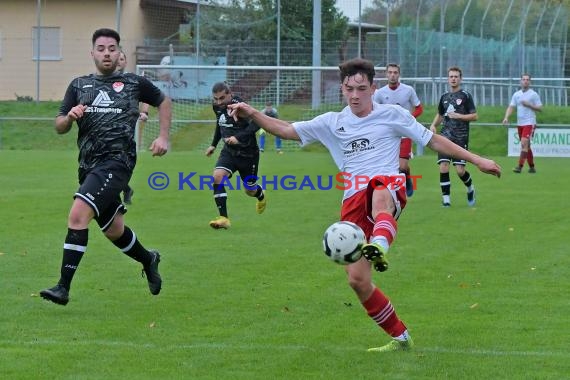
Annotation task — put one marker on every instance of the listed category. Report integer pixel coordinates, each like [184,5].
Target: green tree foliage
[495,19]
[245,20]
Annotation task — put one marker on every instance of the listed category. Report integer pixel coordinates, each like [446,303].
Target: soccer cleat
[395,345]
[409,187]
[532,169]
[260,205]
[58,294]
[375,254]
[471,198]
[128,195]
[151,272]
[517,169]
[445,204]
[220,222]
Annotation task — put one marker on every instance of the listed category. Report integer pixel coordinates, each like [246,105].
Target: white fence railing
[319,86]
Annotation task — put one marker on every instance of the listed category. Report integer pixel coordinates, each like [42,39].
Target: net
[315,89]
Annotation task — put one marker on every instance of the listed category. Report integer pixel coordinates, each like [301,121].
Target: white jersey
[367,146]
[403,95]
[525,116]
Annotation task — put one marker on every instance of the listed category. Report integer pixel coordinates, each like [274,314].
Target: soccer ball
[342,242]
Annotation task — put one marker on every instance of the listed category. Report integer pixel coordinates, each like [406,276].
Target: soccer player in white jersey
[364,141]
[527,103]
[405,96]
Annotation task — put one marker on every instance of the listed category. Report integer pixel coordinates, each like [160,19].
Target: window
[50,43]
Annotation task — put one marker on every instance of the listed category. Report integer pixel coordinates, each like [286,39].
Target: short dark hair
[526,75]
[105,32]
[456,68]
[220,86]
[357,66]
[393,65]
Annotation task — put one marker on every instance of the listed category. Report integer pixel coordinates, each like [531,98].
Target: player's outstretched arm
[274,126]
[442,145]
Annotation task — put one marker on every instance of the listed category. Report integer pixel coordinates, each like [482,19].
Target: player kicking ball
[364,140]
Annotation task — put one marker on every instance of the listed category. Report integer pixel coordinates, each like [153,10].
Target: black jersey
[461,102]
[107,128]
[243,130]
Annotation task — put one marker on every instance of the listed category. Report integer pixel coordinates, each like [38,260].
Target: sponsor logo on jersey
[341,129]
[118,86]
[223,122]
[102,99]
[101,104]
[359,144]
[450,108]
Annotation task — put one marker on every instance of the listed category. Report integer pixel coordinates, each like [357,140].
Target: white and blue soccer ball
[343,241]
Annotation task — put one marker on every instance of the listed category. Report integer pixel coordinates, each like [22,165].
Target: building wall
[78,19]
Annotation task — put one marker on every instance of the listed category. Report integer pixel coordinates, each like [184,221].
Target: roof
[367,27]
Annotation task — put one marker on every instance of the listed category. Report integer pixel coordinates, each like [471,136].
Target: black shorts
[245,163]
[464,143]
[101,189]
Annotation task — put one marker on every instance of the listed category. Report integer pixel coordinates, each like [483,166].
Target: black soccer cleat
[375,254]
[471,198]
[151,272]
[58,294]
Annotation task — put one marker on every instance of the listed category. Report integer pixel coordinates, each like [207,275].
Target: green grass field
[39,133]
[484,290]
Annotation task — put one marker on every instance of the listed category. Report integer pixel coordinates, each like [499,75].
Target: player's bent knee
[80,215]
[115,230]
[359,281]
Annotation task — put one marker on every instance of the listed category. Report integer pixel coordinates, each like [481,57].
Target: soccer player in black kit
[105,106]
[240,153]
[456,109]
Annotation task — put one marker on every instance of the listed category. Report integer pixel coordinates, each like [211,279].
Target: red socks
[380,309]
[385,228]
[530,158]
[522,158]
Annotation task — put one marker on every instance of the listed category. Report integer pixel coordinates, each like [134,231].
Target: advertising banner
[546,142]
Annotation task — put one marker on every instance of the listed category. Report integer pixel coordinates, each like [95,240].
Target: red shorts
[526,131]
[406,148]
[358,208]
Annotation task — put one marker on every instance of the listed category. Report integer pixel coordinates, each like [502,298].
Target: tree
[238,23]
[256,19]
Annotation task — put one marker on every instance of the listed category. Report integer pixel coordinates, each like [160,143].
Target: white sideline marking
[495,352]
[223,346]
